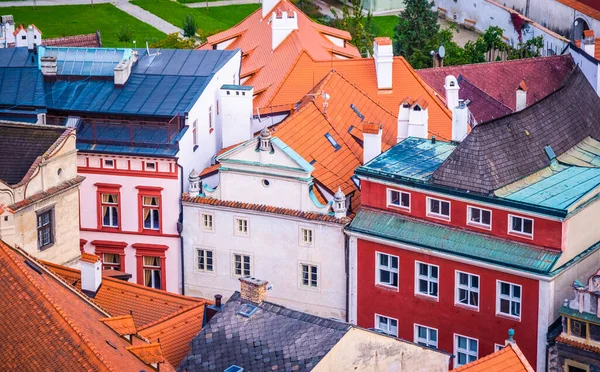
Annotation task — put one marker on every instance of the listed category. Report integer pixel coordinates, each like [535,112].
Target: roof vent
[247,310]
[550,152]
[33,267]
[234,368]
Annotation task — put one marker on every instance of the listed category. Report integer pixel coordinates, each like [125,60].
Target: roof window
[247,310]
[361,116]
[234,368]
[332,141]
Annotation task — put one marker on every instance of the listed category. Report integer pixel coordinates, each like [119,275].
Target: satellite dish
[442,51]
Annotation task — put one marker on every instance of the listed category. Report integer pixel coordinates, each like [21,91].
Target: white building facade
[264,220]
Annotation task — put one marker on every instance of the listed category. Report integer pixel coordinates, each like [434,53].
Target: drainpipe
[180,230]
[347,259]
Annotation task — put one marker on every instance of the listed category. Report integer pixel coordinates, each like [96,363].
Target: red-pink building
[455,243]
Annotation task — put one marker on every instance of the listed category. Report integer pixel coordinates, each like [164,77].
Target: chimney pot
[218,298]
[451,87]
[91,273]
[371,143]
[281,27]
[383,55]
[252,289]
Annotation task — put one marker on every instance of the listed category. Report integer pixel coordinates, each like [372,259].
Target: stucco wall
[276,253]
[362,350]
[578,234]
[589,66]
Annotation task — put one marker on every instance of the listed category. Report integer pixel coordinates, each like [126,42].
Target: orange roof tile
[371,128]
[88,257]
[587,7]
[149,354]
[509,359]
[268,67]
[383,41]
[123,325]
[596,47]
[588,33]
[52,326]
[577,344]
[47,193]
[361,72]
[522,86]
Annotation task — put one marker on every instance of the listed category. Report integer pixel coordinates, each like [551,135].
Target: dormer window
[438,208]
[417,108]
[520,225]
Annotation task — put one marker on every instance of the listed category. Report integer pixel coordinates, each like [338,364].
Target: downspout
[347,259]
[180,230]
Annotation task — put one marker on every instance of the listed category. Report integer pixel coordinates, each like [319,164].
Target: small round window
[266,183]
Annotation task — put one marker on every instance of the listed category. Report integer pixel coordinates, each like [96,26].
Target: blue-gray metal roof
[85,61]
[458,242]
[413,158]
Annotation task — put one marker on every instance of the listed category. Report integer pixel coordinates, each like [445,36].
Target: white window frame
[469,288]
[478,224]
[427,341]
[242,254]
[301,240]
[113,166]
[388,268]
[301,272]
[376,324]
[236,225]
[155,164]
[519,233]
[212,221]
[467,351]
[573,363]
[510,298]
[439,215]
[427,278]
[399,206]
[213,271]
[498,347]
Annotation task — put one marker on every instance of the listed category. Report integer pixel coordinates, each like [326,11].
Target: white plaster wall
[578,233]
[266,121]
[589,66]
[276,251]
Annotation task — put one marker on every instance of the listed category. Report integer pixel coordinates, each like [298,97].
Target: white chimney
[91,272]
[267,6]
[403,117]
[282,24]
[194,184]
[521,96]
[30,38]
[452,88]
[122,71]
[418,120]
[235,113]
[460,121]
[371,141]
[383,55]
[339,204]
[589,42]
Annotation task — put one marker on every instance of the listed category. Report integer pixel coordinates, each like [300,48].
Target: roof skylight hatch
[234,368]
[361,116]
[332,141]
[247,310]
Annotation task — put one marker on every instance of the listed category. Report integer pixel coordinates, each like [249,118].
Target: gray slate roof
[507,149]
[272,336]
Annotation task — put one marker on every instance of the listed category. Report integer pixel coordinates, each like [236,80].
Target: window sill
[520,235]
[46,247]
[150,232]
[480,226]
[439,217]
[508,317]
[387,287]
[467,307]
[427,297]
[109,229]
[399,207]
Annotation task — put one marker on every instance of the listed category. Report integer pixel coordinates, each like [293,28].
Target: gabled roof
[542,75]
[79,41]
[505,150]
[308,71]
[266,67]
[483,106]
[272,338]
[508,359]
[50,325]
[23,146]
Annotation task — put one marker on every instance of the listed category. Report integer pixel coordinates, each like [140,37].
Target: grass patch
[182,1]
[209,21]
[68,20]
[385,25]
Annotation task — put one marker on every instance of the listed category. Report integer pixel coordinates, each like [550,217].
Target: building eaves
[42,195]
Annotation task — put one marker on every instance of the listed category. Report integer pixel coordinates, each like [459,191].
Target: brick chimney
[383,55]
[589,42]
[282,24]
[252,289]
[91,273]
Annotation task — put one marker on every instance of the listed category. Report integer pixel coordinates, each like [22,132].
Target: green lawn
[210,21]
[385,25]
[67,20]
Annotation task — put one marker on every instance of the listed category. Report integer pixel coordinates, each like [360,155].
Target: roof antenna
[148,51]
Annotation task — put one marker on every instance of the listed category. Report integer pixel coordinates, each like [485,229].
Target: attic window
[361,116]
[332,141]
[247,310]
[356,181]
[234,368]
[109,163]
[417,108]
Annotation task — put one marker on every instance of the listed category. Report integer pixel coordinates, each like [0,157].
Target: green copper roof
[453,241]
[567,311]
[413,158]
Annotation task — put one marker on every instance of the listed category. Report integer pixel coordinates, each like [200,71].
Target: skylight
[361,116]
[247,310]
[234,368]
[332,141]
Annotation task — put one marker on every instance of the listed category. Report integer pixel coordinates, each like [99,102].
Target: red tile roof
[264,208]
[46,194]
[78,41]
[577,344]
[123,325]
[88,257]
[361,73]
[149,354]
[266,67]
[587,7]
[542,76]
[49,325]
[509,359]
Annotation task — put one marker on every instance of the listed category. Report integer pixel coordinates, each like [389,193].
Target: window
[310,276]
[479,217]
[109,163]
[387,269]
[23,37]
[386,325]
[578,328]
[205,260]
[594,332]
[111,261]
[398,199]
[427,279]
[152,272]
[210,124]
[520,225]
[465,350]
[508,301]
[110,210]
[241,226]
[151,165]
[573,366]
[151,212]
[332,141]
[241,265]
[306,236]
[467,289]
[438,208]
[426,336]
[45,228]
[194,131]
[498,347]
[207,221]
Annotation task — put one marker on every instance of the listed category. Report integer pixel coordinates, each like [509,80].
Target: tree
[417,26]
[125,34]
[359,26]
[173,41]
[530,48]
[309,8]
[189,26]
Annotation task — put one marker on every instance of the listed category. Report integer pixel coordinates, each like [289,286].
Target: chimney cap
[384,40]
[90,258]
[253,281]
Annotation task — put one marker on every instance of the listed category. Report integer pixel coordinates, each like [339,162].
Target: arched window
[579,26]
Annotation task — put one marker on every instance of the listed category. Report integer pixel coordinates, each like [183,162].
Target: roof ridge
[149,289]
[287,74]
[484,91]
[170,316]
[10,252]
[483,64]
